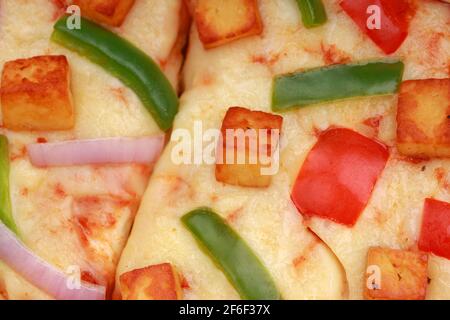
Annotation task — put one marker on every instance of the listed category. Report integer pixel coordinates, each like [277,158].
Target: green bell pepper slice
[335,82]
[231,254]
[313,13]
[126,62]
[5,201]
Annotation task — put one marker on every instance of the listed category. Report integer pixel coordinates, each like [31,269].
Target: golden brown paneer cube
[35,94]
[395,274]
[245,155]
[156,282]
[219,22]
[423,118]
[110,12]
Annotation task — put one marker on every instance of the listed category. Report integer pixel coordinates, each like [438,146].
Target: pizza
[239,149]
[74,209]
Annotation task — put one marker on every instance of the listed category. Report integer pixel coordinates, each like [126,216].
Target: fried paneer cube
[247,146]
[220,22]
[395,274]
[35,94]
[423,118]
[110,12]
[156,282]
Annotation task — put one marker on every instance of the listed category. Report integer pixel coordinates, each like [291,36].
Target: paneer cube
[395,274]
[219,22]
[110,12]
[423,118]
[246,149]
[35,94]
[156,282]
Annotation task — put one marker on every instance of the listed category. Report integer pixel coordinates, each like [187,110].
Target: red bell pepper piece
[394,14]
[435,233]
[338,176]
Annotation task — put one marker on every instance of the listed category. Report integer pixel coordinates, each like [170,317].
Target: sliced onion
[40,273]
[98,151]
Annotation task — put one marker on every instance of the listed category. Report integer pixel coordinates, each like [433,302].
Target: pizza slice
[79,139]
[344,207]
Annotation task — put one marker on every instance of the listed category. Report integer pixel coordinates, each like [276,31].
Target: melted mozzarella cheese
[240,74]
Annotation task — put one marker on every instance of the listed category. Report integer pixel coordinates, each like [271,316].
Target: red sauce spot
[259,59]
[122,203]
[120,95]
[179,187]
[22,154]
[162,63]
[24,192]
[184,283]
[41,140]
[87,276]
[207,79]
[441,176]
[380,217]
[95,213]
[145,170]
[332,55]
[3,291]
[316,132]
[59,190]
[413,160]
[374,123]
[81,233]
[234,215]
[298,261]
[262,59]
[434,46]
[84,223]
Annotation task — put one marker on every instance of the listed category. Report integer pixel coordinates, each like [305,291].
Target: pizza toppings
[35,94]
[313,13]
[110,12]
[423,124]
[41,274]
[395,275]
[97,151]
[229,251]
[101,223]
[338,176]
[6,216]
[335,82]
[246,150]
[435,232]
[220,22]
[156,282]
[126,62]
[386,22]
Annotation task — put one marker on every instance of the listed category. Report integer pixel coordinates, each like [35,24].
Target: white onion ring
[97,151]
[40,273]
